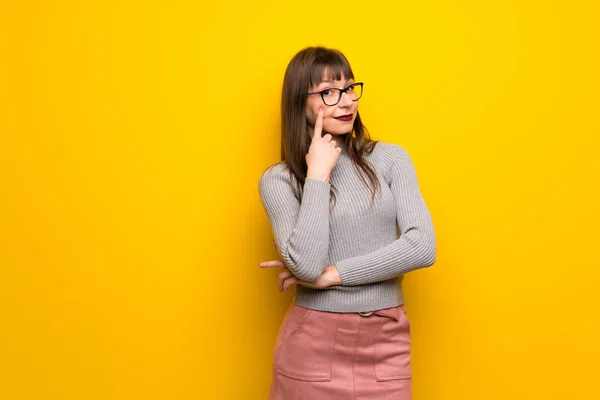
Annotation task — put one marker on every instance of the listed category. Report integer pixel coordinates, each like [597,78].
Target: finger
[285,274]
[282,277]
[334,144]
[274,263]
[318,125]
[289,282]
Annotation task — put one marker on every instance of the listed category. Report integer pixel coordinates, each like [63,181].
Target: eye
[351,87]
[326,92]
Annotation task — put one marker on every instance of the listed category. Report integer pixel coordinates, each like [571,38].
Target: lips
[347,117]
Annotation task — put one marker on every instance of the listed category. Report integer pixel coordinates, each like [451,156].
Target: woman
[333,203]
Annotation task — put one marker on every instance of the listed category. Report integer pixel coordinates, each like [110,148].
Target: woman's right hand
[322,153]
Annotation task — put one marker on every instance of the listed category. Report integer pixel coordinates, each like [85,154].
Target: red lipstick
[347,117]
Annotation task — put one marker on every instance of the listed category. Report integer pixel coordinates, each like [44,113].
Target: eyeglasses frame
[342,91]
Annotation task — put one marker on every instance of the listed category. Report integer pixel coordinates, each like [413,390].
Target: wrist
[319,176]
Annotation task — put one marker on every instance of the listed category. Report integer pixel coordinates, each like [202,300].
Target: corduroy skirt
[342,356]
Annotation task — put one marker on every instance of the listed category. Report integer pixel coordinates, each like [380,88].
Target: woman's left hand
[329,277]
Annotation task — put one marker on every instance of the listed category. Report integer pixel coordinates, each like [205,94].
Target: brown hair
[305,70]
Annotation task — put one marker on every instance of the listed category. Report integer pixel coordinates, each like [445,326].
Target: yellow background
[132,138]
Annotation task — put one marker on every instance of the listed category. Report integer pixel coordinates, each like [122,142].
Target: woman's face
[337,119]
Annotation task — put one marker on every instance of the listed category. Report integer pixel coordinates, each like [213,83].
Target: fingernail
[321,108]
[260,264]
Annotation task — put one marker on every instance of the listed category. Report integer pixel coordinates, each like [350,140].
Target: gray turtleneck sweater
[359,239]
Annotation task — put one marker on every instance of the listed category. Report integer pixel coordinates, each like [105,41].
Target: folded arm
[416,247]
[301,228]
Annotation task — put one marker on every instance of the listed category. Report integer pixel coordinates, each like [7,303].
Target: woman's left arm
[414,249]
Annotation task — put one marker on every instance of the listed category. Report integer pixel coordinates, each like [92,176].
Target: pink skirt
[342,356]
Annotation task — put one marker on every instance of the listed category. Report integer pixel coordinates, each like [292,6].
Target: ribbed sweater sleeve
[300,228]
[416,246]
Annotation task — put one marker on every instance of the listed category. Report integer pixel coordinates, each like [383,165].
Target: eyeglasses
[332,96]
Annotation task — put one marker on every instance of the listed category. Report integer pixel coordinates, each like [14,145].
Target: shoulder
[387,149]
[274,177]
[275,171]
[389,154]
[393,160]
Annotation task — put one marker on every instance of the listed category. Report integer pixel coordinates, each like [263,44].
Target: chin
[340,133]
[338,130]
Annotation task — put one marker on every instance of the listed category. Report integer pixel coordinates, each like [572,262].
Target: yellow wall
[132,138]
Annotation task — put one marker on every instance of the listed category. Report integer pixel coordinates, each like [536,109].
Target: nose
[345,101]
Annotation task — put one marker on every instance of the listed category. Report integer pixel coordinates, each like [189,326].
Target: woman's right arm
[301,229]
